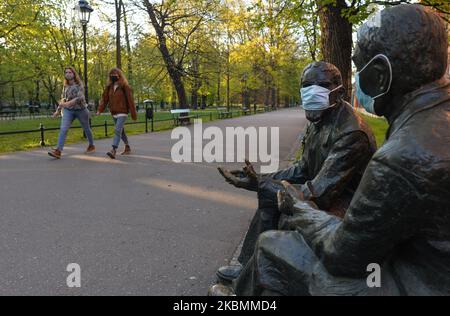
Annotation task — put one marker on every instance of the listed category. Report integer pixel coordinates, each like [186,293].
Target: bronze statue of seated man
[399,217]
[336,149]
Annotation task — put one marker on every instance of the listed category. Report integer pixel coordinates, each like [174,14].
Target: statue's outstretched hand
[246,178]
[287,198]
[292,201]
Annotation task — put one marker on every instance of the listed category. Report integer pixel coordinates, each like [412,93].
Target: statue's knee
[269,235]
[276,241]
[267,239]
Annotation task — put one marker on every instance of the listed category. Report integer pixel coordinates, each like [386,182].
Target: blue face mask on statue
[316,98]
[364,99]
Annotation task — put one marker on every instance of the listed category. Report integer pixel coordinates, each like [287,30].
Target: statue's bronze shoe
[220,290]
[227,274]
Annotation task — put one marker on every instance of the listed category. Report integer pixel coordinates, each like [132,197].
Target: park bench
[181,116]
[224,113]
[8,113]
[34,109]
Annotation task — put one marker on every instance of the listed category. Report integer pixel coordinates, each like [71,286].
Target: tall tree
[176,22]
[128,44]
[337,40]
[337,19]
[158,20]
[118,8]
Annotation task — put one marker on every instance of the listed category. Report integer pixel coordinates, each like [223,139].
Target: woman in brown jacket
[119,97]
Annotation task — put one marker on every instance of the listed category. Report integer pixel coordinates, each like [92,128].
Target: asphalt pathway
[140,225]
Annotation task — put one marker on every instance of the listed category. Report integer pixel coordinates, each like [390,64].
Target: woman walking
[73,106]
[119,97]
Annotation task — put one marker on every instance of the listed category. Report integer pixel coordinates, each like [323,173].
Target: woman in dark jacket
[119,97]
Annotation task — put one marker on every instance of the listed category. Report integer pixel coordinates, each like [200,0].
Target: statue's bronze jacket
[399,216]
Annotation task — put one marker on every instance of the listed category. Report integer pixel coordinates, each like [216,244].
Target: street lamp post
[84,10]
[85,64]
[149,114]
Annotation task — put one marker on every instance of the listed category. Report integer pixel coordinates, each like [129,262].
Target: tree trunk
[219,74]
[118,4]
[204,99]
[51,86]
[197,84]
[174,70]
[228,79]
[127,39]
[247,98]
[337,41]
[278,96]
[273,93]
[38,93]
[268,90]
[194,99]
[13,95]
[174,98]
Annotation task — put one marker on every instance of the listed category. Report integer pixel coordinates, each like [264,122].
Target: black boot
[112,153]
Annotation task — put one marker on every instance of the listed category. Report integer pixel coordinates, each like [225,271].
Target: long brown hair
[123,82]
[77,78]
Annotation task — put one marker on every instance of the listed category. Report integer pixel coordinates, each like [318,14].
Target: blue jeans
[119,131]
[68,117]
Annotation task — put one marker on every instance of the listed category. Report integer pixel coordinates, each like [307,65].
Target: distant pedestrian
[119,97]
[73,106]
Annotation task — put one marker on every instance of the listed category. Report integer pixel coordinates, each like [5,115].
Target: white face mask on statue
[316,98]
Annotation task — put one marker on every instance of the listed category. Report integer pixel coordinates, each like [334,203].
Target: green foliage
[38,38]
[260,45]
[379,127]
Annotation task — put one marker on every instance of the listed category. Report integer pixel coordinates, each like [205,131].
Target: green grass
[21,142]
[379,127]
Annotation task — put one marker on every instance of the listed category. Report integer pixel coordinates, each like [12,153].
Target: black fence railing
[149,122]
[7,113]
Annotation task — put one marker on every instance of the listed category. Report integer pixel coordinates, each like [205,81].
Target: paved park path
[141,225]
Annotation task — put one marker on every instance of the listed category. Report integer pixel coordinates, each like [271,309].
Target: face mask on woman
[114,79]
[69,76]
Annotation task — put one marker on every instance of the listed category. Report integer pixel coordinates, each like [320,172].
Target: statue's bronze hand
[292,201]
[285,222]
[243,179]
[288,197]
[236,178]
[285,202]
[250,171]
